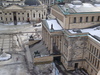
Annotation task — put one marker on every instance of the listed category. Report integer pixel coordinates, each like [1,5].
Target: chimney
[51,26]
[52,29]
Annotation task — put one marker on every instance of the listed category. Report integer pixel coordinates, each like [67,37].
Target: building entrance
[15,18]
[76,65]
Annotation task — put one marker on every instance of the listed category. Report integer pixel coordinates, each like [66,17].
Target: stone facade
[73,20]
[22,13]
[75,50]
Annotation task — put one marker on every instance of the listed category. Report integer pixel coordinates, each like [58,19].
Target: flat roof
[93,31]
[78,7]
[56,25]
[52,23]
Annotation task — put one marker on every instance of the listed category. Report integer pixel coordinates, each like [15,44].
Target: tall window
[92,19]
[80,19]
[98,19]
[39,14]
[19,19]
[74,20]
[6,19]
[1,18]
[10,19]
[23,18]
[86,19]
[42,16]
[44,13]
[98,64]
[27,14]
[34,15]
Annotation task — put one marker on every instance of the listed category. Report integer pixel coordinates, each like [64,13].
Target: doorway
[76,65]
[15,18]
[57,59]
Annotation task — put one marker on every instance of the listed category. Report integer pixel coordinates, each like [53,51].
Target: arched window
[27,14]
[34,15]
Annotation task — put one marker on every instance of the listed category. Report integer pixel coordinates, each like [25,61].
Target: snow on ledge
[94,39]
[56,26]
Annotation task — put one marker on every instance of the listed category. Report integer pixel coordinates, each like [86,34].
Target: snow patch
[18,23]
[4,56]
[56,26]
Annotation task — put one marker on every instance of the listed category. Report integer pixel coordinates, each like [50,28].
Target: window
[98,64]
[27,14]
[10,19]
[9,13]
[1,18]
[19,19]
[39,14]
[95,62]
[92,19]
[0,12]
[6,19]
[22,13]
[34,15]
[80,19]
[42,16]
[5,13]
[86,19]
[18,13]
[98,19]
[23,18]
[74,19]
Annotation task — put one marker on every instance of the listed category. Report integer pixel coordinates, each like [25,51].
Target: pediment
[14,7]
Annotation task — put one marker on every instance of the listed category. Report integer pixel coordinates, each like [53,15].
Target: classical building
[21,11]
[72,31]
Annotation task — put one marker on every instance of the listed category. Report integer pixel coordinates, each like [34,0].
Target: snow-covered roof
[78,7]
[85,7]
[92,31]
[95,32]
[56,25]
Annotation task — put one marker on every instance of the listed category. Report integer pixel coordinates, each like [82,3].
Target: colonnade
[50,40]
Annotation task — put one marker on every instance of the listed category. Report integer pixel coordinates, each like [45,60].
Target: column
[62,44]
[51,45]
[49,42]
[59,42]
